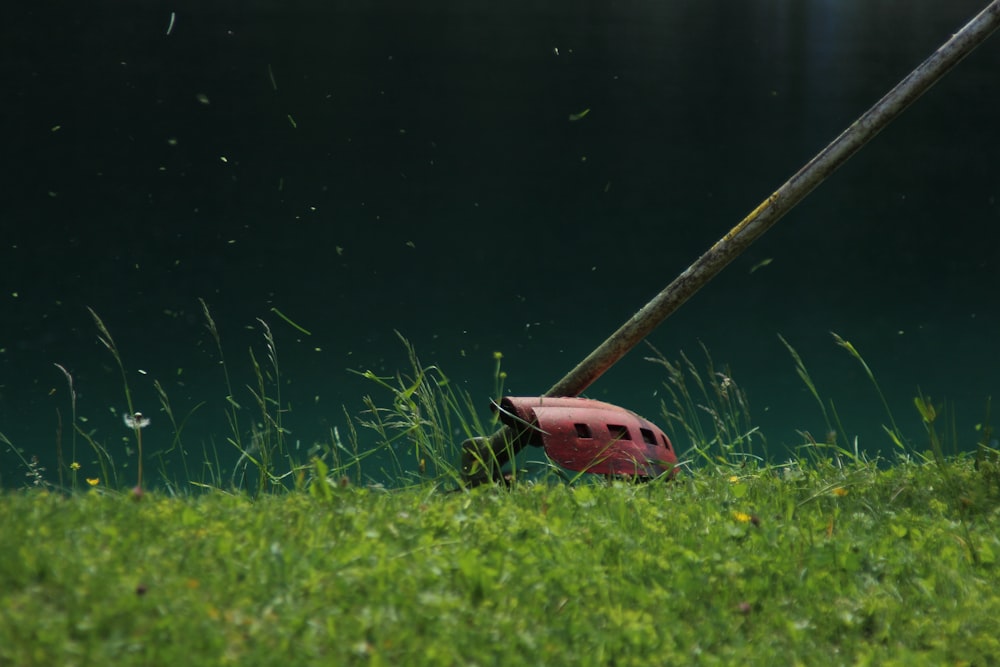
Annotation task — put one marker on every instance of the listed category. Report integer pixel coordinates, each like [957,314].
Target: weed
[31,467]
[728,439]
[834,428]
[175,443]
[836,439]
[893,431]
[232,407]
[137,421]
[74,466]
[133,418]
[268,435]
[104,460]
[427,417]
[267,445]
[929,415]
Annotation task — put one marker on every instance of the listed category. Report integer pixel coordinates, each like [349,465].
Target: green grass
[814,565]
[828,558]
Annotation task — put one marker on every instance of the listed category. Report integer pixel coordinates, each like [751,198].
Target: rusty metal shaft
[778,204]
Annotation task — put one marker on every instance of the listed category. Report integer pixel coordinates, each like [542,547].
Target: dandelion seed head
[135,421]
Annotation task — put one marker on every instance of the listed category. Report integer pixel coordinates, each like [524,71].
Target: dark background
[372,167]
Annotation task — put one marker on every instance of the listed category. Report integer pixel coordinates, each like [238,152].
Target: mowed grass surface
[810,565]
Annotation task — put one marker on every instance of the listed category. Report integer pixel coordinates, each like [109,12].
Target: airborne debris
[270,75]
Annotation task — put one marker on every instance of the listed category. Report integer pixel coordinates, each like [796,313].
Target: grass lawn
[799,564]
[827,559]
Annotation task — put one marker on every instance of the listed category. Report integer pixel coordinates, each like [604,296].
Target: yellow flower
[743,517]
[840,491]
[74,466]
[93,481]
[733,479]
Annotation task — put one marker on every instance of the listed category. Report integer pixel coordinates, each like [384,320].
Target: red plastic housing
[590,436]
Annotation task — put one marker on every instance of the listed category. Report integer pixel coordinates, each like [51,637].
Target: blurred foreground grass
[808,563]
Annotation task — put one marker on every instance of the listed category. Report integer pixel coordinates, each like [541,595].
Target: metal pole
[778,204]
[764,216]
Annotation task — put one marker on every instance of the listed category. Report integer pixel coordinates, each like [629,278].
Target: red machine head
[590,436]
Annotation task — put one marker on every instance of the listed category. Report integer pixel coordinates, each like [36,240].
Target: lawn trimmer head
[585,435]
